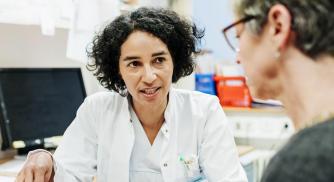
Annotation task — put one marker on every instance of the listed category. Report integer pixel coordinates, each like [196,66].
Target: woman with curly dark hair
[144,130]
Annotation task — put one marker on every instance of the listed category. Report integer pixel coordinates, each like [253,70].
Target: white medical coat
[100,139]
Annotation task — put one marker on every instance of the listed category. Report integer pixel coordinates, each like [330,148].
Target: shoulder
[306,157]
[104,96]
[103,107]
[104,99]
[318,140]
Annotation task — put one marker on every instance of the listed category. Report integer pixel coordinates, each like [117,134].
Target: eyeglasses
[231,34]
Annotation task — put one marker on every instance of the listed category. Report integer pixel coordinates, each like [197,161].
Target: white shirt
[100,140]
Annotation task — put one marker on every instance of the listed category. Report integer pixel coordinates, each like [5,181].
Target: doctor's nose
[149,75]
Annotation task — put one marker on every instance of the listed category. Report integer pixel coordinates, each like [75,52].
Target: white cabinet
[266,128]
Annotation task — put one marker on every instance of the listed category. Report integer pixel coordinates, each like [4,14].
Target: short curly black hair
[180,36]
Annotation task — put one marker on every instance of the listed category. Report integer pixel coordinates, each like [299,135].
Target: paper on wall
[88,18]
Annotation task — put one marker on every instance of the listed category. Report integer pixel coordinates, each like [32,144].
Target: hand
[37,168]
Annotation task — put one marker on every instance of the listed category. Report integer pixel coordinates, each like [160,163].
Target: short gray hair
[312,20]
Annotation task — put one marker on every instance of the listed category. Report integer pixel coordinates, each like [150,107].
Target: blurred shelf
[278,110]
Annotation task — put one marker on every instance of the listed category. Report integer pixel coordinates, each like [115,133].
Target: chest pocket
[188,169]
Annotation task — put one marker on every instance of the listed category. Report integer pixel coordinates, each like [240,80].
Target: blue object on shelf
[205,83]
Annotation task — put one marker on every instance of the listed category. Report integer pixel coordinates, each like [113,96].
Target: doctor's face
[146,67]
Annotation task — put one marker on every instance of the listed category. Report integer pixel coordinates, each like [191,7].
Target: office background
[26,46]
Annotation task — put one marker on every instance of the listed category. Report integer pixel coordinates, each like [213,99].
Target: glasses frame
[242,20]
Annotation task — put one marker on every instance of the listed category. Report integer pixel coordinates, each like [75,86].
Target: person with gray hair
[286,48]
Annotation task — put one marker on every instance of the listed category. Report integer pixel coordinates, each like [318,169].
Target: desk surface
[10,167]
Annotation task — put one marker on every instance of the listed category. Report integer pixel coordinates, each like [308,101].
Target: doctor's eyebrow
[159,53]
[130,58]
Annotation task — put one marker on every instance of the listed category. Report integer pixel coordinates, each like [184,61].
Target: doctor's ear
[279,22]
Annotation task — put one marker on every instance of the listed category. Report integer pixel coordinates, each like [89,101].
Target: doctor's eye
[159,60]
[133,64]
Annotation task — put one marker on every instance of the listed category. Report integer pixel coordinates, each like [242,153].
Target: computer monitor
[37,103]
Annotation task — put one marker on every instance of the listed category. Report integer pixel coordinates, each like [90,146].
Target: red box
[233,91]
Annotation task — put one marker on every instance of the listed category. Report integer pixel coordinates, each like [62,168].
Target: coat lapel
[122,146]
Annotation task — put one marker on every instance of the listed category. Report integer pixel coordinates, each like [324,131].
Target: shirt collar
[168,114]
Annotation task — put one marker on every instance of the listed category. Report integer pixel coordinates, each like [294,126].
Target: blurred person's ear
[279,22]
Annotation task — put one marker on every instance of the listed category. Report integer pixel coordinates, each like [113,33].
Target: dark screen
[40,103]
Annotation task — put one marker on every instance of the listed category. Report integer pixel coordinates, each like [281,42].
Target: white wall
[183,7]
[25,46]
[214,15]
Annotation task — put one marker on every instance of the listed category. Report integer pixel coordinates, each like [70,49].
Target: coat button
[165,164]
